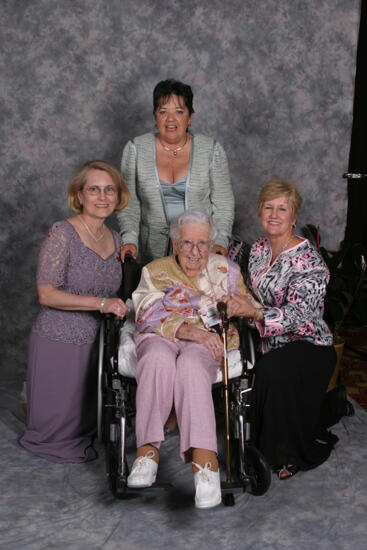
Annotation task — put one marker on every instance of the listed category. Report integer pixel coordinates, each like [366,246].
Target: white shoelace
[203,472]
[141,460]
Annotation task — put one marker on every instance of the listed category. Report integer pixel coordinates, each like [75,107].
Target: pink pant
[179,373]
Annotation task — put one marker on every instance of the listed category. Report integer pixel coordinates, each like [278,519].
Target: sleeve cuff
[129,238]
[221,240]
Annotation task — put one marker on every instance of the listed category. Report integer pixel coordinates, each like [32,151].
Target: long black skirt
[290,387]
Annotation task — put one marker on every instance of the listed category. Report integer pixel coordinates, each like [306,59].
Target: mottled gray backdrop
[273,82]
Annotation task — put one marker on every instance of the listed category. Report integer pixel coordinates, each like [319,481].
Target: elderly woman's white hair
[192,216]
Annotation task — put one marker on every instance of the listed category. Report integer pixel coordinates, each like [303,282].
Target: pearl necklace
[97,239]
[174,151]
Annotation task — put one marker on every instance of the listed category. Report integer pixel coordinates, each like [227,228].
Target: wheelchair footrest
[232,487]
[158,485]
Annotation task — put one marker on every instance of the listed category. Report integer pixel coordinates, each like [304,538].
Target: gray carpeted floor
[50,506]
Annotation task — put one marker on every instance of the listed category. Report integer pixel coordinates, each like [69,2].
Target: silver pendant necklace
[97,239]
[283,247]
[174,151]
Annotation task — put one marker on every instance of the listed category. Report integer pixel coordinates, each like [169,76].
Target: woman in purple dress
[79,274]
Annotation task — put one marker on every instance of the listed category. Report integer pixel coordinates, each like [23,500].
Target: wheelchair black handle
[130,277]
[129,257]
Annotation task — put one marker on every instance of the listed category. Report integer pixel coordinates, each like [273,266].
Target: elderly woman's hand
[211,340]
[213,343]
[239,306]
[115,306]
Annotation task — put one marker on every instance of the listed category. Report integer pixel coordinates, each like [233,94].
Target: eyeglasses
[96,190]
[188,246]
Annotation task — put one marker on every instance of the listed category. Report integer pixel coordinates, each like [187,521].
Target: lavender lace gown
[62,356]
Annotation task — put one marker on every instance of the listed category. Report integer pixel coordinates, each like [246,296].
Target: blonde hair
[277,187]
[79,179]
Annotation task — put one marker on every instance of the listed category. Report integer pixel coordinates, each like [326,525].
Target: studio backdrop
[272,80]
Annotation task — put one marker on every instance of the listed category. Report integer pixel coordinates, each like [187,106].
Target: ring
[118,309]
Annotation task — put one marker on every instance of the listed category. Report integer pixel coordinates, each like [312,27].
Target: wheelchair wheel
[257,471]
[118,487]
[117,483]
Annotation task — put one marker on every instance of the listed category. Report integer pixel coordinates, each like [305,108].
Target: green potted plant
[346,294]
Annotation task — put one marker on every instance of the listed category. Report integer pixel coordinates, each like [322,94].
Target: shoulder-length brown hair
[79,179]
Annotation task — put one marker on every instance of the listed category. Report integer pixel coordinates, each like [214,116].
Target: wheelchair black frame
[116,407]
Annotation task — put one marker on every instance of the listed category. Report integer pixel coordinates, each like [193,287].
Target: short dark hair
[164,89]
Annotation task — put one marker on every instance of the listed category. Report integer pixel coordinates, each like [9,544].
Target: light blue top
[174,198]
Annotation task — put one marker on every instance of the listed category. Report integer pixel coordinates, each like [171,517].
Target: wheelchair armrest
[248,339]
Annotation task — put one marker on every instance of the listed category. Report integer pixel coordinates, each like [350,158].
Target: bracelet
[102,304]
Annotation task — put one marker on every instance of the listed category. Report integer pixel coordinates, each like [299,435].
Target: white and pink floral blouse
[292,292]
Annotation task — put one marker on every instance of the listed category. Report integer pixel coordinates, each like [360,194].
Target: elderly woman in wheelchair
[179,352]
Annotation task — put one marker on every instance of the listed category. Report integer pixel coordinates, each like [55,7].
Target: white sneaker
[207,485]
[143,471]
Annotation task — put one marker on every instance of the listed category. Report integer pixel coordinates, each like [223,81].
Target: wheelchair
[116,403]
